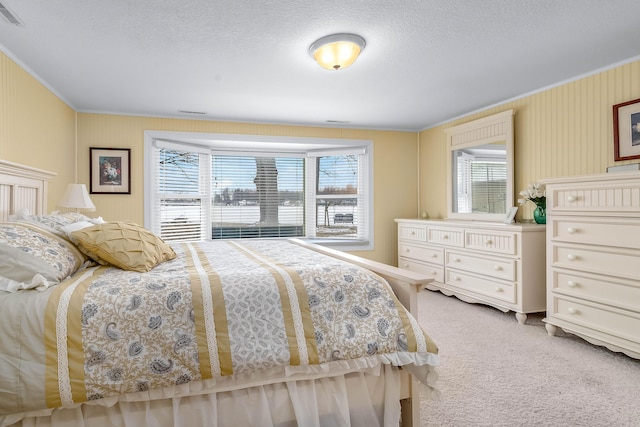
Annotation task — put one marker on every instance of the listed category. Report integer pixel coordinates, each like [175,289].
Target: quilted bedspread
[218,309]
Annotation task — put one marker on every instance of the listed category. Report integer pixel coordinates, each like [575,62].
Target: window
[257,196]
[221,186]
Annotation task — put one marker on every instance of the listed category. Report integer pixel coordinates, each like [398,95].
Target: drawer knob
[457,278]
[571,198]
[406,265]
[572,310]
[497,268]
[571,257]
[572,284]
[571,230]
[489,242]
[434,255]
[498,289]
[445,237]
[456,260]
[407,250]
[413,233]
[433,272]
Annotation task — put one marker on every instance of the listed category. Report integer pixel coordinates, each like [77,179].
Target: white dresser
[593,259]
[502,265]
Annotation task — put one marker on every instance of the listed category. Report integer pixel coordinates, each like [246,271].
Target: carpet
[496,372]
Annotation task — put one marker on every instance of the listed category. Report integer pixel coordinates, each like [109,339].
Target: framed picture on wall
[626,130]
[110,170]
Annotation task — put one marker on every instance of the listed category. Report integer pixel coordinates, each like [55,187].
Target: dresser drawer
[495,289]
[501,268]
[620,323]
[597,232]
[432,255]
[620,293]
[416,232]
[611,262]
[431,270]
[446,236]
[491,241]
[605,196]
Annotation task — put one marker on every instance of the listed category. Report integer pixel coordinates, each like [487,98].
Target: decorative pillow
[126,245]
[33,257]
[75,226]
[54,221]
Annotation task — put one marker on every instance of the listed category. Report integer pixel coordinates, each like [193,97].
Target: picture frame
[511,215]
[110,170]
[626,130]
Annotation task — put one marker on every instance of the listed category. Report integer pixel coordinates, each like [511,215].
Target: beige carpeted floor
[496,372]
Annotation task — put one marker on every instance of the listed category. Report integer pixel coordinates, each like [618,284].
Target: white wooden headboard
[23,187]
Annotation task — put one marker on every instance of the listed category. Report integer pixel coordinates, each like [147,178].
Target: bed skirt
[368,398]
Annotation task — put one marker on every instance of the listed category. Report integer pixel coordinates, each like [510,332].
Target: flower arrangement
[535,193]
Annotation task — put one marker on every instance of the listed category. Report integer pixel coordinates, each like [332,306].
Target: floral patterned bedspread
[219,309]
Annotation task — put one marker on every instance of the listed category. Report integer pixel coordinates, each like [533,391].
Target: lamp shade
[76,197]
[337,51]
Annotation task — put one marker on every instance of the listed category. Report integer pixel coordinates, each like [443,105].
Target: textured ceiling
[426,61]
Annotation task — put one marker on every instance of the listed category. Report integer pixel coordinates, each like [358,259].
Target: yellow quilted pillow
[126,245]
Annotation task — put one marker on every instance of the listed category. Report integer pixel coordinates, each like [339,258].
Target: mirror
[480,168]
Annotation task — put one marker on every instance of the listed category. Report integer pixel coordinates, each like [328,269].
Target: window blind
[478,183]
[488,179]
[339,196]
[257,196]
[181,198]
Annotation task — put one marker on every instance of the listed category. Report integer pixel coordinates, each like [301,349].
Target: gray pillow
[31,256]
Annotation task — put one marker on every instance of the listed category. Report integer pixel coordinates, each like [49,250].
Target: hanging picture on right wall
[626,130]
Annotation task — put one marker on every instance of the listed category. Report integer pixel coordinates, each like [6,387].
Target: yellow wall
[566,130]
[395,165]
[36,128]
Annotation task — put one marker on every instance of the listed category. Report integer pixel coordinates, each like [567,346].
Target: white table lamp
[76,198]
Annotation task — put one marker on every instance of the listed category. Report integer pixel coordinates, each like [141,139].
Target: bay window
[202,187]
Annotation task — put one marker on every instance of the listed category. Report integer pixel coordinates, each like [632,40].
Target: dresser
[593,259]
[501,265]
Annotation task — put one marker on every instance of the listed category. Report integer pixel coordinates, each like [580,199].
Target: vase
[540,213]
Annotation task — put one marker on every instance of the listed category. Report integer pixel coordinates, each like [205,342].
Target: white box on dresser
[501,265]
[593,259]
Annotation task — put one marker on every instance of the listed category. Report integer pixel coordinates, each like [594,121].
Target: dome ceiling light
[337,51]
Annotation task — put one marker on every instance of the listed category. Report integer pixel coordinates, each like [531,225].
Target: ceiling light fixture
[337,51]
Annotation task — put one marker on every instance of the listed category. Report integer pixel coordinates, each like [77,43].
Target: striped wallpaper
[36,128]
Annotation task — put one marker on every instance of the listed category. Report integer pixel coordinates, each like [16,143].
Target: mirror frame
[488,130]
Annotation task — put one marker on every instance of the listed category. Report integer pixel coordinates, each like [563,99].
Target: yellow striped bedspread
[219,309]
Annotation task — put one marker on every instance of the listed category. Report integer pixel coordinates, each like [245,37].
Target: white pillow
[75,226]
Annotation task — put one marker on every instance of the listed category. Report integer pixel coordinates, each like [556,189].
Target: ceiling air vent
[9,16]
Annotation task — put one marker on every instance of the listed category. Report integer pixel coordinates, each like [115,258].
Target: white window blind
[182,195]
[339,195]
[257,196]
[488,181]
[463,185]
[478,183]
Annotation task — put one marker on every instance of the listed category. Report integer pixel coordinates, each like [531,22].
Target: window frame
[252,145]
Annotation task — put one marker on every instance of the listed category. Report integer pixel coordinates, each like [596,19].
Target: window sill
[341,244]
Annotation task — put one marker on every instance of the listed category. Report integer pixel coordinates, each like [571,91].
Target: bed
[103,323]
